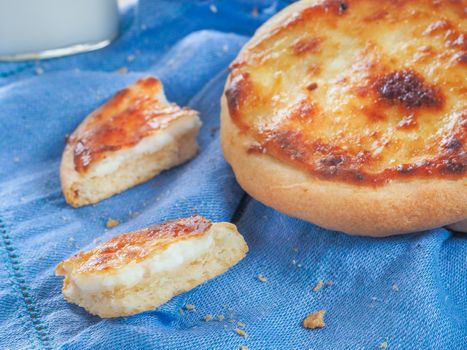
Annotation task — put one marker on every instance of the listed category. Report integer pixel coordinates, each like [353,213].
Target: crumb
[294,262]
[71,239]
[254,12]
[318,286]
[241,324]
[181,312]
[243,347]
[39,71]
[395,287]
[299,265]
[240,332]
[330,283]
[314,320]
[208,317]
[131,58]
[221,317]
[295,249]
[112,223]
[122,70]
[261,278]
[225,48]
[16,159]
[384,345]
[97,239]
[190,307]
[213,8]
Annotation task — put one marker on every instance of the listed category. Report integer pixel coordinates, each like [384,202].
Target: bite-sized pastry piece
[140,270]
[131,138]
[352,114]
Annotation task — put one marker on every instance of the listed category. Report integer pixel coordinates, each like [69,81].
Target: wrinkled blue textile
[404,292]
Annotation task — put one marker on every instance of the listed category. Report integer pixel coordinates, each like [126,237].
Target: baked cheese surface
[136,246]
[132,114]
[359,91]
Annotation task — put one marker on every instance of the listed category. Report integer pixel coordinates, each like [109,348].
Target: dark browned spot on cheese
[460,57]
[306,45]
[408,88]
[312,86]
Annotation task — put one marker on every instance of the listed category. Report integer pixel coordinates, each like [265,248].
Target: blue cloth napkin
[405,292]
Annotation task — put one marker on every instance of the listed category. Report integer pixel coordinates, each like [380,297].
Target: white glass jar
[33,29]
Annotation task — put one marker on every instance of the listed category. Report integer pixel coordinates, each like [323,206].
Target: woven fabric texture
[397,293]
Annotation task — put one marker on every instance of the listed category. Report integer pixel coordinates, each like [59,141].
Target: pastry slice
[138,271]
[130,139]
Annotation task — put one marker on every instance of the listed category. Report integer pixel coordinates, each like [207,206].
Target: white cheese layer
[149,144]
[172,257]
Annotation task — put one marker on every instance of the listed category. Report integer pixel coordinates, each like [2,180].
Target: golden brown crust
[130,115]
[395,208]
[135,246]
[357,91]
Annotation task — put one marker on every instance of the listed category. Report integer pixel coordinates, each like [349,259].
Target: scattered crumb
[190,307]
[261,278]
[208,317]
[131,58]
[241,324]
[112,223]
[395,287]
[181,312]
[122,70]
[243,347]
[330,283]
[299,265]
[294,262]
[318,286]
[213,8]
[240,332]
[39,71]
[254,12]
[384,345]
[97,239]
[225,48]
[314,320]
[71,239]
[221,317]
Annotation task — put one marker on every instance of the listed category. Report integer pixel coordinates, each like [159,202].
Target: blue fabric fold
[405,292]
